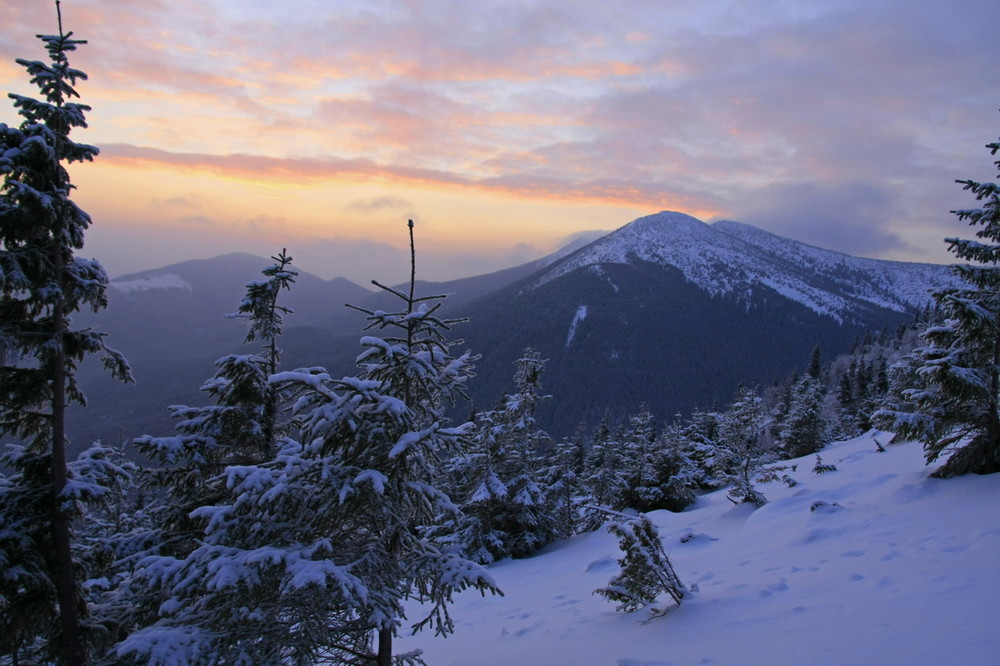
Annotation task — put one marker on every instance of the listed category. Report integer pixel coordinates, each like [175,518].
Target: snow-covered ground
[893,568]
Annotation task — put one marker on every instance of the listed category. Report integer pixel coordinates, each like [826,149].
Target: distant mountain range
[666,310]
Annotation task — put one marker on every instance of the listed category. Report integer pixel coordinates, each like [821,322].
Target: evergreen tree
[677,471]
[563,478]
[239,427]
[743,446]
[641,455]
[506,511]
[659,472]
[310,556]
[646,570]
[604,479]
[956,408]
[698,441]
[42,284]
[801,432]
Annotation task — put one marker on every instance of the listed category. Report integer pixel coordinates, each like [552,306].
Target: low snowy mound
[873,563]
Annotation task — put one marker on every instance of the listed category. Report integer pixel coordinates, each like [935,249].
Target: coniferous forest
[295,515]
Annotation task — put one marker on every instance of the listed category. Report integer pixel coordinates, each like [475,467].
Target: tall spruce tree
[801,432]
[957,408]
[190,471]
[310,556]
[42,283]
[505,506]
[743,447]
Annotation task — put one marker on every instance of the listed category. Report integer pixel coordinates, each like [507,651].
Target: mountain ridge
[731,259]
[666,310]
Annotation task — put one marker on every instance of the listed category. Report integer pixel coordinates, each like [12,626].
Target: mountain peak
[738,261]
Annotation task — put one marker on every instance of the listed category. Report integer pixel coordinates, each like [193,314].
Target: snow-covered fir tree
[646,570]
[604,479]
[803,428]
[641,453]
[957,403]
[698,440]
[506,511]
[743,446]
[42,283]
[659,474]
[310,556]
[239,427]
[677,471]
[563,475]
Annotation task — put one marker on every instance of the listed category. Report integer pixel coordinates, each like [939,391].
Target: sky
[507,128]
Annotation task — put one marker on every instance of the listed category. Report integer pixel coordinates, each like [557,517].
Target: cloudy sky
[505,127]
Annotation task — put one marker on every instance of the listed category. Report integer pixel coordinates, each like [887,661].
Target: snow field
[874,563]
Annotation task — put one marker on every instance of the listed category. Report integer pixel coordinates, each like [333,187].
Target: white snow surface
[162,281]
[581,314]
[731,259]
[890,567]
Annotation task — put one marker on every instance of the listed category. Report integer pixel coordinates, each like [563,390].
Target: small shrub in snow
[646,570]
[822,468]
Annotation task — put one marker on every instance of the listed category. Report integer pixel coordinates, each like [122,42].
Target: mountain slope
[892,568]
[666,310]
[170,324]
[676,313]
[732,260]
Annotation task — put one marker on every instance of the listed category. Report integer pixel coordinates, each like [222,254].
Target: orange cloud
[311,172]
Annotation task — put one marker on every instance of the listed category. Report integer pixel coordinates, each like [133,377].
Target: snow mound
[875,563]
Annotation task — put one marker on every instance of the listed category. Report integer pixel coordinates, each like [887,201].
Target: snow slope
[893,568]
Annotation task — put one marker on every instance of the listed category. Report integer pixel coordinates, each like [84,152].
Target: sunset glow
[504,128]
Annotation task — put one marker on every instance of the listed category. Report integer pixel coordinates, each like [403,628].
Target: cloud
[852,218]
[377,204]
[706,107]
[312,171]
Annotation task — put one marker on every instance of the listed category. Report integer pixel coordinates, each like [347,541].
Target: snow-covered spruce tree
[744,449]
[603,477]
[310,557]
[802,429]
[396,436]
[506,511]
[42,284]
[563,478]
[677,471]
[93,479]
[957,407]
[698,440]
[239,427]
[646,570]
[641,454]
[659,473]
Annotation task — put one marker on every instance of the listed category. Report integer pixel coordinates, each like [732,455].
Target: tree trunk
[384,656]
[64,574]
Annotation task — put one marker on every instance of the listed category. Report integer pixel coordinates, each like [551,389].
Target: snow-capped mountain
[666,310]
[735,260]
[676,313]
